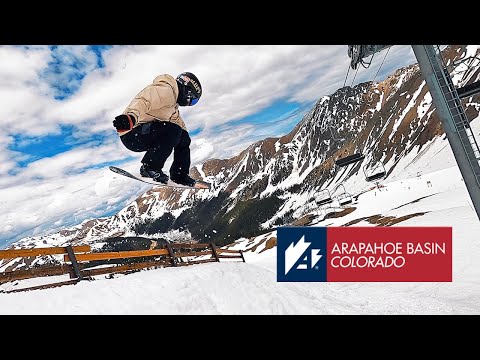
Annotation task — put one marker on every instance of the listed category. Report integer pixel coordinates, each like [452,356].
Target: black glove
[124,122]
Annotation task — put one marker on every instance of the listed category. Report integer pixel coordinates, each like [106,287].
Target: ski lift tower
[449,109]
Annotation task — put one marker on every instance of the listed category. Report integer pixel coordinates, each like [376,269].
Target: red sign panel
[401,254]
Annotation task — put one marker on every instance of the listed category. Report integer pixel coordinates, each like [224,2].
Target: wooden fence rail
[80,263]
[17,253]
[117,255]
[190,246]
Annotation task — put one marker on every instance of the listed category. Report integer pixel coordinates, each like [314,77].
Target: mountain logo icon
[301,254]
[296,256]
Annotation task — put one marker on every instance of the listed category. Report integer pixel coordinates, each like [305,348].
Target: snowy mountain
[276,181]
[251,287]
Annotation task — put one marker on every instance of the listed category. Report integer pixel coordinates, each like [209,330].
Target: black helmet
[192,89]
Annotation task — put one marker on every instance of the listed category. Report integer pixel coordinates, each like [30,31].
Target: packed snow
[234,287]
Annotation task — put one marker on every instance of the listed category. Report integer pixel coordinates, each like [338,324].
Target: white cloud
[238,80]
[35,206]
[204,149]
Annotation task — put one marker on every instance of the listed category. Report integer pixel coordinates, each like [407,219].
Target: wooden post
[74,262]
[172,255]
[214,249]
[241,254]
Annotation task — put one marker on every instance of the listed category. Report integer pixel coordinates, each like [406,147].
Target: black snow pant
[159,139]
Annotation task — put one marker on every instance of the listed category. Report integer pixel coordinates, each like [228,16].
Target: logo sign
[345,254]
[301,254]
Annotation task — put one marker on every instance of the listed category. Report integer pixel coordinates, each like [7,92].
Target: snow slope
[251,287]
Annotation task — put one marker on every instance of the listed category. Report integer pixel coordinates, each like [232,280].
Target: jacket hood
[169,79]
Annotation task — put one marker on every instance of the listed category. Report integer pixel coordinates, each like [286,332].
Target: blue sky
[59,103]
[67,68]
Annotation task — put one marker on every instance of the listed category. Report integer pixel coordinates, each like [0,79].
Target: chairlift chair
[323,197]
[335,189]
[347,160]
[344,199]
[376,172]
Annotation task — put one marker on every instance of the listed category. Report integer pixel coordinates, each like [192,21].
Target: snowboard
[198,185]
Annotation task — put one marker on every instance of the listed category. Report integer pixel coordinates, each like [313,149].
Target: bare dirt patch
[380,220]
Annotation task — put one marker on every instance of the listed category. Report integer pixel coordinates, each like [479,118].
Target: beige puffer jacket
[158,101]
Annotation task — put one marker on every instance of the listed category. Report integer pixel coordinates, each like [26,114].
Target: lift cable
[368,88]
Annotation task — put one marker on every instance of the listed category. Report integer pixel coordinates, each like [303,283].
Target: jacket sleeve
[138,107]
[151,97]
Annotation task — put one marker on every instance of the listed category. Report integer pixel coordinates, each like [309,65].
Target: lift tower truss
[449,110]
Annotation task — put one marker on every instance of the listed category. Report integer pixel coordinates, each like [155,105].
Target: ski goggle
[191,98]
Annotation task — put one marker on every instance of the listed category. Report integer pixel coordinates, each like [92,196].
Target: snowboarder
[152,123]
